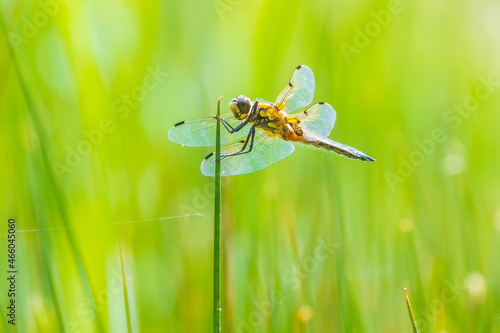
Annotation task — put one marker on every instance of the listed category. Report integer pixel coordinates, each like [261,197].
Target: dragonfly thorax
[240,107]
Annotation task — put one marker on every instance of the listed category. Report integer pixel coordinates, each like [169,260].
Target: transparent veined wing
[319,119]
[201,132]
[266,151]
[299,92]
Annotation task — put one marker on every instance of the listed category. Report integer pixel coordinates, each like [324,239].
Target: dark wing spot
[208,156]
[242,141]
[305,112]
[179,123]
[290,84]
[299,66]
[321,103]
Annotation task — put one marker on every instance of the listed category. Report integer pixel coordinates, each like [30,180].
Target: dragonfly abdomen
[337,147]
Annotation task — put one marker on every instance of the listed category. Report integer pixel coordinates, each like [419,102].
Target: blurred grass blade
[125,294]
[410,312]
[35,106]
[216,305]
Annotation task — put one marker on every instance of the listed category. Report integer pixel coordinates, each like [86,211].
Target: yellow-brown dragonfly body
[278,123]
[268,129]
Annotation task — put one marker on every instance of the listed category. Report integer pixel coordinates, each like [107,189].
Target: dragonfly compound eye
[240,106]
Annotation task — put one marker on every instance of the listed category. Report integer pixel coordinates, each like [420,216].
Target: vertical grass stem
[217,252]
[410,312]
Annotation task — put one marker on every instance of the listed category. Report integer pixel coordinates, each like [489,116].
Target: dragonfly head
[240,107]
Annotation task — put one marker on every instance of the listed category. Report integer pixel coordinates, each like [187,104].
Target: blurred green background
[315,243]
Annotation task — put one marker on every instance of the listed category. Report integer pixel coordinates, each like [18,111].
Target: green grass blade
[217,295]
[34,104]
[410,312]
[125,294]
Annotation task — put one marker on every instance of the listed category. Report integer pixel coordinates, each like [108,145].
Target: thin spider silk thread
[115,223]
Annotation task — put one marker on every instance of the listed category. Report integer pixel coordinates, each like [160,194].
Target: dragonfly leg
[230,128]
[250,138]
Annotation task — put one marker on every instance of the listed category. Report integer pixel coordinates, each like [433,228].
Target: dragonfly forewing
[201,132]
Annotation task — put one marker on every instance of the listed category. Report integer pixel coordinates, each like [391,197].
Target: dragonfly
[258,134]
